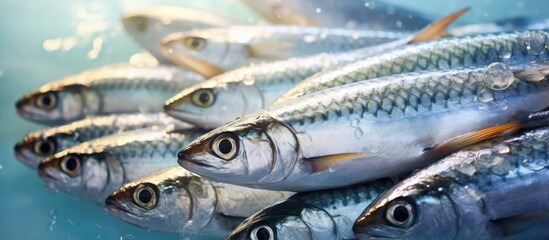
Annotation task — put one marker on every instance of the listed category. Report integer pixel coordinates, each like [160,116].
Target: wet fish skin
[94,169]
[375,15]
[111,89]
[476,50]
[348,134]
[494,180]
[149,25]
[188,204]
[43,143]
[327,214]
[236,46]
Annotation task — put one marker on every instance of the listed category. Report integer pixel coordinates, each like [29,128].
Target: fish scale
[475,50]
[471,189]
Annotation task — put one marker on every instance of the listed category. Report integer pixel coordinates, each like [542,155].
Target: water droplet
[399,24]
[485,95]
[309,38]
[318,10]
[1,167]
[467,169]
[535,43]
[505,56]
[498,76]
[354,122]
[501,149]
[359,133]
[440,189]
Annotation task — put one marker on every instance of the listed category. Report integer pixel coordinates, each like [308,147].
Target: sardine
[464,195]
[215,50]
[92,170]
[248,89]
[149,25]
[106,90]
[376,15]
[478,50]
[351,133]
[328,214]
[176,201]
[44,143]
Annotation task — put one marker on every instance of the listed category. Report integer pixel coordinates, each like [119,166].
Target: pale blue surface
[27,210]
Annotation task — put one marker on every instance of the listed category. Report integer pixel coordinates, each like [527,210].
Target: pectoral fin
[513,226]
[322,163]
[437,29]
[268,50]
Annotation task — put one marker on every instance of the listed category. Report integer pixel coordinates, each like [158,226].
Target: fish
[36,146]
[174,200]
[327,214]
[93,170]
[212,51]
[467,194]
[451,52]
[149,25]
[375,15]
[349,134]
[242,91]
[111,89]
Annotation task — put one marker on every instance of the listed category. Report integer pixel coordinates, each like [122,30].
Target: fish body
[469,191]
[374,15]
[327,214]
[185,203]
[94,169]
[149,25]
[107,90]
[349,134]
[236,46]
[477,50]
[38,145]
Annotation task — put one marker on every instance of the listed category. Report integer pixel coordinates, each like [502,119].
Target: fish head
[167,201]
[51,105]
[409,213]
[211,104]
[38,145]
[89,176]
[198,52]
[287,220]
[249,151]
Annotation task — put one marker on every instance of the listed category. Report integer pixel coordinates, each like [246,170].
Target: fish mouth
[187,161]
[44,173]
[113,206]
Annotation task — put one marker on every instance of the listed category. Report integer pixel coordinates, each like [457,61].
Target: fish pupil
[262,234]
[145,196]
[401,214]
[71,164]
[44,148]
[204,97]
[225,146]
[46,100]
[195,43]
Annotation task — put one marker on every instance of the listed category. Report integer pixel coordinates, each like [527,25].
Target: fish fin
[437,29]
[322,163]
[271,49]
[229,222]
[536,71]
[515,225]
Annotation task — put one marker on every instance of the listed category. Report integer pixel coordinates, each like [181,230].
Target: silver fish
[149,25]
[93,170]
[349,134]
[176,201]
[375,15]
[478,50]
[250,88]
[38,145]
[110,89]
[328,214]
[467,192]
[214,50]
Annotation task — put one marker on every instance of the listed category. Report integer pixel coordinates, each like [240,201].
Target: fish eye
[194,43]
[225,146]
[203,98]
[144,196]
[44,147]
[400,214]
[71,165]
[46,101]
[139,23]
[262,232]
